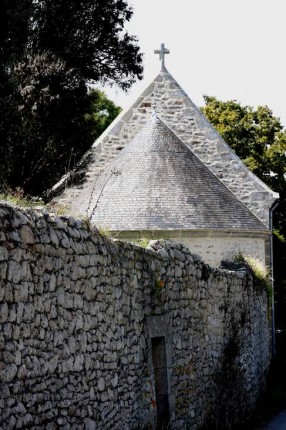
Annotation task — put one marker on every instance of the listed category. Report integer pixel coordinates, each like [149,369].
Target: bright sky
[231,49]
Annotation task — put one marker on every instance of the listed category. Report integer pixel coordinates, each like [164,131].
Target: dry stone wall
[97,334]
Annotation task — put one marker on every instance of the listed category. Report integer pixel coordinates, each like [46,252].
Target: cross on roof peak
[162,52]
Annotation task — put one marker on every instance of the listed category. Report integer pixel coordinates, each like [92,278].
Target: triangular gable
[181,115]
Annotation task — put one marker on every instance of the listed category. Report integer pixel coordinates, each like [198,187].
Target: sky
[230,49]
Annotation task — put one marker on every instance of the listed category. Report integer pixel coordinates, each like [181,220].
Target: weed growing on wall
[159,284]
[103,232]
[143,242]
[261,275]
[259,271]
[16,197]
[61,210]
[145,238]
[206,271]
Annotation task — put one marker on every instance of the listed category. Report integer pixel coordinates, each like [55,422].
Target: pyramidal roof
[157,183]
[190,125]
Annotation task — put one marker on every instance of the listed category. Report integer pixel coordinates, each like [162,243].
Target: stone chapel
[162,171]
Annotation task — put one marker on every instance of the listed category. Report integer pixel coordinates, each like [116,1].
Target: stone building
[177,178]
[102,334]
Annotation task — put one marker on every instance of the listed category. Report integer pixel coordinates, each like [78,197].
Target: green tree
[255,135]
[14,25]
[51,103]
[102,112]
[259,139]
[50,55]
[89,37]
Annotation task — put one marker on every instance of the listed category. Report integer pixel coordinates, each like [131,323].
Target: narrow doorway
[161,381]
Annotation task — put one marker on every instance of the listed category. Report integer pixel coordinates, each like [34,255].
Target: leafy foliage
[13,36]
[259,139]
[101,113]
[89,36]
[50,53]
[255,135]
[51,101]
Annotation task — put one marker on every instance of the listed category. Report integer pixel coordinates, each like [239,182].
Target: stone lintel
[157,325]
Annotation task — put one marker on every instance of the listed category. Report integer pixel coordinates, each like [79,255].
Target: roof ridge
[183,118]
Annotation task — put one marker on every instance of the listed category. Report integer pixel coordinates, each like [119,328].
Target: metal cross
[162,52]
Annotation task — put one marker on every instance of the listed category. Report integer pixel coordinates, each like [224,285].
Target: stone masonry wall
[212,247]
[81,317]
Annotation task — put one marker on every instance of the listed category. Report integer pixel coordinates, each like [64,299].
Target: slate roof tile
[157,183]
[185,119]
